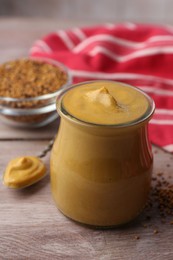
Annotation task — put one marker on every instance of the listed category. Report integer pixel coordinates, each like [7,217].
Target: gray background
[150,11]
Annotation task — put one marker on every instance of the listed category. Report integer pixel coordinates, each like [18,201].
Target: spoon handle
[46,149]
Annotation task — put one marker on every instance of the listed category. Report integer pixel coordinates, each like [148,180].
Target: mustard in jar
[101,161]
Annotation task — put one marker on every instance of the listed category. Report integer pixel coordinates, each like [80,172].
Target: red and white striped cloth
[138,54]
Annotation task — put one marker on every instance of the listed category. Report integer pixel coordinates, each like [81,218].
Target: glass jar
[101,174]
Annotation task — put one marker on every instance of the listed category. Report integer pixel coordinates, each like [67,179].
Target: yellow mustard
[101,161]
[105,103]
[23,171]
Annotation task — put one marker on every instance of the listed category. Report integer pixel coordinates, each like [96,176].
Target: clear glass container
[101,174]
[33,112]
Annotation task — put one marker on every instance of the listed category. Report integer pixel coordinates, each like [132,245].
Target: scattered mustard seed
[156,231]
[136,237]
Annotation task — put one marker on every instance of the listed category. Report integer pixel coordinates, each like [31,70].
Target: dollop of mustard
[23,171]
[102,96]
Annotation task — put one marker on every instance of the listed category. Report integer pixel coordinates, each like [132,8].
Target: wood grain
[32,228]
[30,225]
[13,133]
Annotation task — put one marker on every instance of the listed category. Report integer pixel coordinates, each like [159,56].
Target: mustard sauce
[105,103]
[101,173]
[23,171]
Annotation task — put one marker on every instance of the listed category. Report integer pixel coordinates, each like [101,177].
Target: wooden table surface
[30,225]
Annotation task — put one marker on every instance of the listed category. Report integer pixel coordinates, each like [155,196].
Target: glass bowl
[33,111]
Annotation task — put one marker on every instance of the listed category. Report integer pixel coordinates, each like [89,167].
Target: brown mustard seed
[145,225]
[136,237]
[161,196]
[148,218]
[156,231]
[160,173]
[27,78]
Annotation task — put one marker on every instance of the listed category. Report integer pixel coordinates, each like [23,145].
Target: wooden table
[30,225]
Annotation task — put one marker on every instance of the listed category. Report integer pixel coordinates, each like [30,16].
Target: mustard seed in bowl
[29,88]
[29,78]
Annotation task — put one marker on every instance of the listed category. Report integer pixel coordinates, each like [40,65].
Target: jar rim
[144,117]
